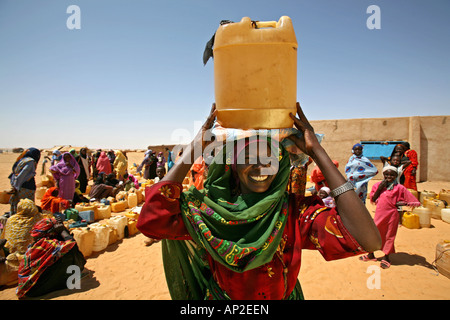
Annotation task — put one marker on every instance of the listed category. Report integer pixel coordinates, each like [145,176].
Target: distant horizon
[175,144]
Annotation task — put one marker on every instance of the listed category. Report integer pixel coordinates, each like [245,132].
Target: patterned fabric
[23,193]
[359,171]
[386,215]
[66,176]
[239,246]
[297,179]
[41,255]
[53,203]
[221,221]
[120,164]
[18,226]
[410,179]
[197,275]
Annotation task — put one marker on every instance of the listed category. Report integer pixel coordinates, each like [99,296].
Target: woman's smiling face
[257,167]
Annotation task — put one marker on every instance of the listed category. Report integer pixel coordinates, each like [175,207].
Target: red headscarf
[52,203]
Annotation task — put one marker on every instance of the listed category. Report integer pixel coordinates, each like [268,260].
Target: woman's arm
[181,168]
[354,215]
[379,190]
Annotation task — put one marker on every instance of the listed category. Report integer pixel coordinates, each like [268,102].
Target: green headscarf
[240,231]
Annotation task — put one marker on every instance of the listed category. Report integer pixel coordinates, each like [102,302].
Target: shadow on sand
[88,282]
[403,258]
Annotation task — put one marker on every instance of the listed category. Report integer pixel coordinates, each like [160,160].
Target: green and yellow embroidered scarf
[240,231]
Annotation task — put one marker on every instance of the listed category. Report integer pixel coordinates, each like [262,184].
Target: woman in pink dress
[65,173]
[388,194]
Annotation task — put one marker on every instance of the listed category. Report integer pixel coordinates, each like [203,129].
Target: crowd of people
[44,245]
[218,188]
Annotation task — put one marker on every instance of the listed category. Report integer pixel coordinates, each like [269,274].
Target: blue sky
[133,75]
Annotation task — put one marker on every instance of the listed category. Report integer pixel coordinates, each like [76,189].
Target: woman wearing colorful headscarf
[23,184]
[120,164]
[149,165]
[56,157]
[411,170]
[65,174]
[161,160]
[243,232]
[17,230]
[47,259]
[359,171]
[51,201]
[103,164]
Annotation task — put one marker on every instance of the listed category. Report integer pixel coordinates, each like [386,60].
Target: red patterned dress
[310,225]
[410,178]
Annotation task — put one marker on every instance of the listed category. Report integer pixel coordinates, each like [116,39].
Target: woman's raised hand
[204,136]
[309,141]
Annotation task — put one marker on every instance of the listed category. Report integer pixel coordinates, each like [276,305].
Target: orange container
[4,197]
[255,74]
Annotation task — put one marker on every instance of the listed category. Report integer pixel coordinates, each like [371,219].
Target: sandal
[366,258]
[384,264]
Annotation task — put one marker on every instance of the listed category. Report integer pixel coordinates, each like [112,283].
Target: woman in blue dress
[359,171]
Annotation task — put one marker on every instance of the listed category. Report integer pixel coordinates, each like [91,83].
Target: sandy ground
[128,270]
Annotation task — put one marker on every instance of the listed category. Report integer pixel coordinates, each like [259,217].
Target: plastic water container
[140,196]
[425,193]
[113,235]
[103,212]
[85,240]
[132,200]
[86,207]
[425,200]
[132,215]
[445,214]
[77,224]
[443,258]
[121,196]
[119,206]
[4,197]
[45,181]
[411,220]
[71,214]
[101,239]
[89,216]
[414,193]
[435,206]
[132,229]
[40,191]
[445,195]
[255,74]
[424,216]
[119,223]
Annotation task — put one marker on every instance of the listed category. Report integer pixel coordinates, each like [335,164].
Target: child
[324,194]
[388,194]
[160,173]
[78,196]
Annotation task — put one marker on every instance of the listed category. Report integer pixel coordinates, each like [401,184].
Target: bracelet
[342,189]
